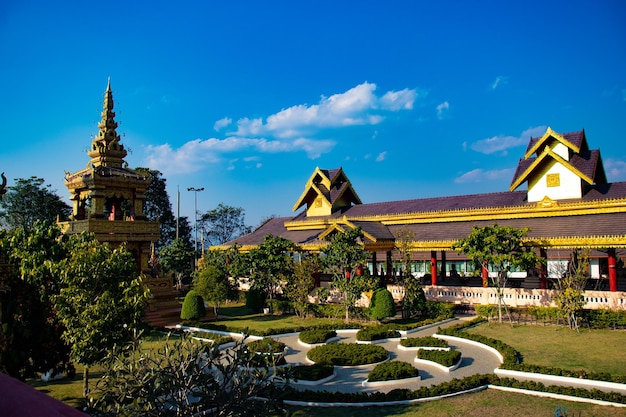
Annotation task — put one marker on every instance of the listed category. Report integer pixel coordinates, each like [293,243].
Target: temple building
[108,200]
[568,205]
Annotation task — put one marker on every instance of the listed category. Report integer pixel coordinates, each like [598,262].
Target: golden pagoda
[108,200]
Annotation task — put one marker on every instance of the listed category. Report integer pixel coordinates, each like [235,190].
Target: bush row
[314,336]
[444,357]
[372,333]
[348,354]
[267,345]
[555,389]
[548,370]
[450,387]
[388,371]
[428,341]
[510,355]
[215,338]
[597,319]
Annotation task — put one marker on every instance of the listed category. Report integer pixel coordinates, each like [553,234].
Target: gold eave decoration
[340,225]
[551,133]
[545,154]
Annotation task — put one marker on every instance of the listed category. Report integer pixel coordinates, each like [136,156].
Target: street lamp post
[195,206]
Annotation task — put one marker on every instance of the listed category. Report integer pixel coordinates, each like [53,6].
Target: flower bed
[348,354]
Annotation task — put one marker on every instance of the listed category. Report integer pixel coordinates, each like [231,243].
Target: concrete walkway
[474,360]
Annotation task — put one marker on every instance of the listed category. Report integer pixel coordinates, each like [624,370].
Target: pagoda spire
[106,149]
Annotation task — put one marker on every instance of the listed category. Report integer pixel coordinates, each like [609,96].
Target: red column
[433,267]
[485,274]
[443,265]
[612,270]
[389,270]
[543,274]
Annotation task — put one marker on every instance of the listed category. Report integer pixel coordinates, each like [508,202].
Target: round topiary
[382,305]
[193,307]
[255,300]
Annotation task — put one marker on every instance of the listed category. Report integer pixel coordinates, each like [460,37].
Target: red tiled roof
[575,138]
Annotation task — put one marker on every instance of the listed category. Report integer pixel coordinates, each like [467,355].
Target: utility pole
[195,206]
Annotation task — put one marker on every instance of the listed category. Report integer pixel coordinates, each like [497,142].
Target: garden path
[474,360]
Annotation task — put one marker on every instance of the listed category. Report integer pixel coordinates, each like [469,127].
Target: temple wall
[514,297]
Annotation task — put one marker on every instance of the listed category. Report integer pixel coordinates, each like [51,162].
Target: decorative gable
[557,166]
[326,192]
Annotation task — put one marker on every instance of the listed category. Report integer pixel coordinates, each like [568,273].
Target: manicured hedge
[444,357]
[348,354]
[556,389]
[316,336]
[449,387]
[266,345]
[313,372]
[377,333]
[388,371]
[193,306]
[510,355]
[428,341]
[215,338]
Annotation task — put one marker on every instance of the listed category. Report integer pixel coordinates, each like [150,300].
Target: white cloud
[500,80]
[294,129]
[615,169]
[502,143]
[442,109]
[480,175]
[193,155]
[381,156]
[357,106]
[222,123]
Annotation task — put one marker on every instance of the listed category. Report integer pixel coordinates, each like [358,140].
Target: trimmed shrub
[370,334]
[443,357]
[193,307]
[348,354]
[255,300]
[388,371]
[382,305]
[436,309]
[266,345]
[313,372]
[316,336]
[428,341]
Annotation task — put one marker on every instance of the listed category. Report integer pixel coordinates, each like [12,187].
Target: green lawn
[560,347]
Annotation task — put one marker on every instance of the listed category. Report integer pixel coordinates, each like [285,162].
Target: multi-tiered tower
[108,200]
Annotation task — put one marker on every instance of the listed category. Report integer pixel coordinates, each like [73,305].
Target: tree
[178,258]
[212,283]
[30,332]
[414,299]
[30,200]
[571,287]
[382,305]
[223,224]
[344,257]
[503,248]
[193,306]
[159,208]
[302,282]
[271,264]
[185,377]
[100,301]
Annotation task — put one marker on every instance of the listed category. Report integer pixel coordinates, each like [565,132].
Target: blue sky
[245,98]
